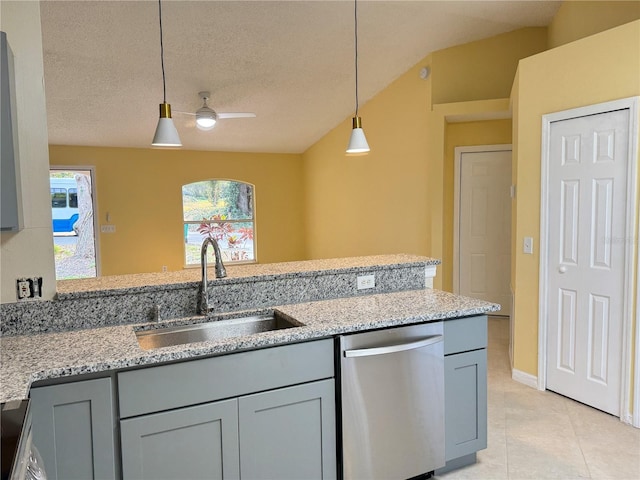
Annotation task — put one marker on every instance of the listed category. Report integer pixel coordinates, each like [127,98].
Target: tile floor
[542,435]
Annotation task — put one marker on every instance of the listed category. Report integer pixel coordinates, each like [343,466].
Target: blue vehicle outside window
[64,204]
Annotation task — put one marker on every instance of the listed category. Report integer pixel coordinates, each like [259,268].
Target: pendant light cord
[164,87]
[355,3]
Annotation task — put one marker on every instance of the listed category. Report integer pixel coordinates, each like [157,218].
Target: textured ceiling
[290,62]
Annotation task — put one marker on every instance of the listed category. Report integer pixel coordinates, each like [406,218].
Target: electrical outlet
[366,281]
[164,268]
[28,288]
[24,288]
[108,228]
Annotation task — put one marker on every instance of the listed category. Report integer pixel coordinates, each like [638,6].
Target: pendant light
[357,142]
[166,133]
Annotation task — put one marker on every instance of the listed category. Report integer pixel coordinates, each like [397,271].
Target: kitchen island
[98,360]
[29,358]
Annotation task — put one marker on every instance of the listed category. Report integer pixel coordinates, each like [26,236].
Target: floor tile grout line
[575,433]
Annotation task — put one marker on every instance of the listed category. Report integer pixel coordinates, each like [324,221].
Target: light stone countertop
[28,358]
[235,274]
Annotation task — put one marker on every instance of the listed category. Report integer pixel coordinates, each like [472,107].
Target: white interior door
[484,225]
[587,212]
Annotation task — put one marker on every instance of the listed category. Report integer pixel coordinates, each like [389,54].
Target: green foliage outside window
[222,210]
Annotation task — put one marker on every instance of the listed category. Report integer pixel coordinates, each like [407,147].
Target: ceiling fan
[206,117]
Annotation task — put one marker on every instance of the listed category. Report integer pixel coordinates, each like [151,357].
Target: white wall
[29,252]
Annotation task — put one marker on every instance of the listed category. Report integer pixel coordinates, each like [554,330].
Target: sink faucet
[203,301]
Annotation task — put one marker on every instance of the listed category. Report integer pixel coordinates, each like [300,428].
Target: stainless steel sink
[200,332]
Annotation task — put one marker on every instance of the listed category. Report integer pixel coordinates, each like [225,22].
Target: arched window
[223,210]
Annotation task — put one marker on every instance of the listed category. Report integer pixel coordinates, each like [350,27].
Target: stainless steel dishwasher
[392,387]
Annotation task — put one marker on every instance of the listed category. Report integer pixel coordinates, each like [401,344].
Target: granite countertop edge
[182,280]
[30,358]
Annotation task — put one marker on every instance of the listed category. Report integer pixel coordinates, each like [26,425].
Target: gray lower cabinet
[73,428]
[262,414]
[289,433]
[199,442]
[465,386]
[465,390]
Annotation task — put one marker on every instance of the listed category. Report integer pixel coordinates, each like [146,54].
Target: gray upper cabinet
[199,442]
[289,433]
[73,429]
[10,196]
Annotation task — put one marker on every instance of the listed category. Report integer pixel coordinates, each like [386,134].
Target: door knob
[562,269]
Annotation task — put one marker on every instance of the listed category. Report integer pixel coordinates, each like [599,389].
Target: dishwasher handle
[369,352]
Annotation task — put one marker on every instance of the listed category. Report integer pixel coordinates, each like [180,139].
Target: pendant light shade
[357,141]
[166,134]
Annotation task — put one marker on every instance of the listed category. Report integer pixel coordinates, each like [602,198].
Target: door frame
[631,231]
[456,199]
[94,201]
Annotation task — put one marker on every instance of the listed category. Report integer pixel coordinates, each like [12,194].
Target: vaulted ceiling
[290,62]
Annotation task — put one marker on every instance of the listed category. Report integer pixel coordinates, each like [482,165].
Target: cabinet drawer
[464,334]
[176,385]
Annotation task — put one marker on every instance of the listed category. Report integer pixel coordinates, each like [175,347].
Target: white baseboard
[525,378]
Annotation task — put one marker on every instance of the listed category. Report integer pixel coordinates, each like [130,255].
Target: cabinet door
[465,394]
[199,442]
[289,433]
[73,427]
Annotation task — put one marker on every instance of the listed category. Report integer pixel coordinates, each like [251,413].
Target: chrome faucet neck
[221,272]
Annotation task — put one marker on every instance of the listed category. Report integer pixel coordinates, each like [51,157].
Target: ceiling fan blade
[183,113]
[236,115]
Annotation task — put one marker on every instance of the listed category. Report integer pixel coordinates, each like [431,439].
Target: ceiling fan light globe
[206,118]
[205,123]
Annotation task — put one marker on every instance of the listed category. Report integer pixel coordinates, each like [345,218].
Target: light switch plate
[527,245]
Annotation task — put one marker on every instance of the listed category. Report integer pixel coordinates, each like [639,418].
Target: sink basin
[201,332]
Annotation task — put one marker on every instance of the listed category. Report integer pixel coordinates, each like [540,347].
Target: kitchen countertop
[25,359]
[88,287]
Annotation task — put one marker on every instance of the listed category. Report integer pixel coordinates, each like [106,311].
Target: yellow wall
[579,19]
[141,190]
[489,132]
[556,80]
[485,68]
[393,199]
[376,203]
[354,205]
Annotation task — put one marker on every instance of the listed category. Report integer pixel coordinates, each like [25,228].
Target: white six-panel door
[587,202]
[484,225]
